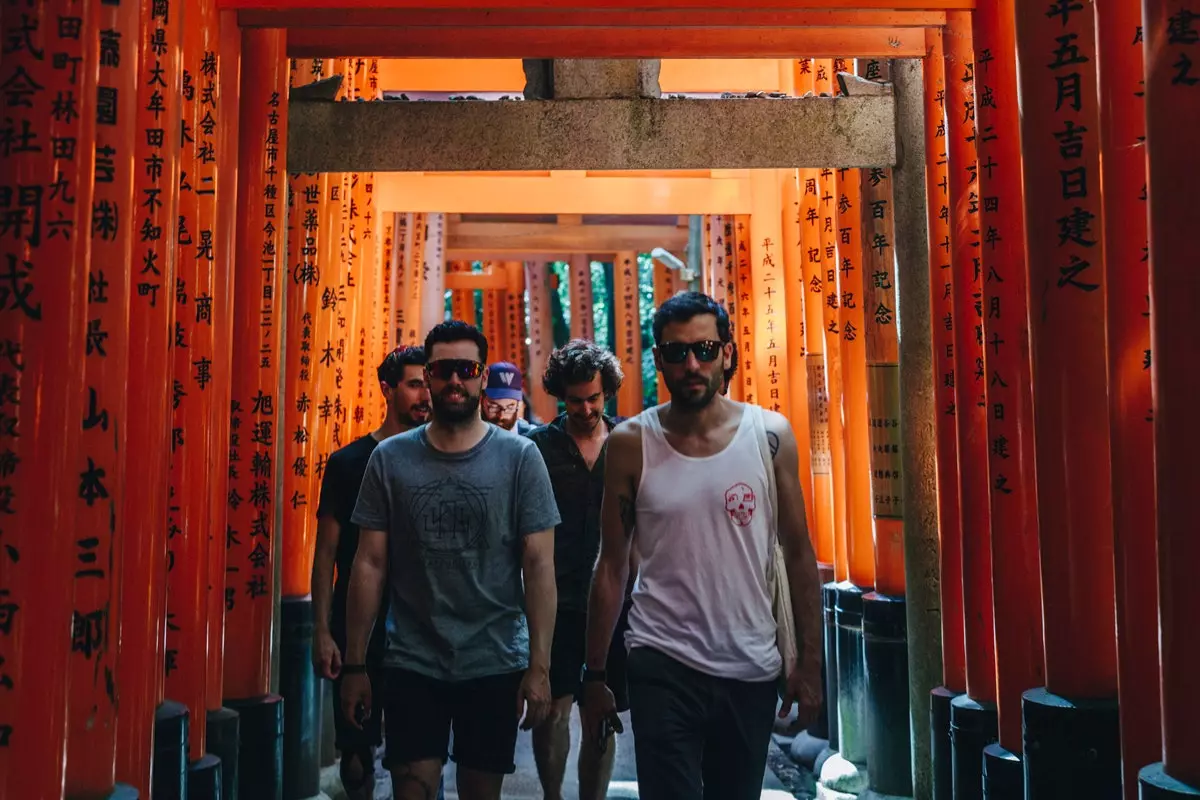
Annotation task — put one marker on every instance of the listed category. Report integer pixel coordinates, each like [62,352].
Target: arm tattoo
[628,514]
[773,441]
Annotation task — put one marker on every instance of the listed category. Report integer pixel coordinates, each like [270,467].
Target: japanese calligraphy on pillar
[714,251]
[768,286]
[514,315]
[433,273]
[583,324]
[256,416]
[743,323]
[811,223]
[414,268]
[541,338]
[492,322]
[793,290]
[629,331]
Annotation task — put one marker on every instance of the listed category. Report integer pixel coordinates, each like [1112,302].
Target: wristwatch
[594,675]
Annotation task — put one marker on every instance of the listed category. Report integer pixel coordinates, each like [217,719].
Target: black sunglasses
[677,352]
[445,368]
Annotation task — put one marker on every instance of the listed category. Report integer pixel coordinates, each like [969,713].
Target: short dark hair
[731,370]
[455,330]
[578,361]
[391,369]
[683,307]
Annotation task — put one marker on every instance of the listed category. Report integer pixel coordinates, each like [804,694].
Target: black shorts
[419,713]
[569,651]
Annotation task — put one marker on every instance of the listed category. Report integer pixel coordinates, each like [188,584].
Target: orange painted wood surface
[256,411]
[579,292]
[599,5]
[1065,258]
[1172,117]
[537,284]
[192,477]
[45,178]
[771,340]
[969,386]
[96,615]
[795,292]
[742,324]
[151,336]
[1015,586]
[1123,179]
[628,346]
[515,349]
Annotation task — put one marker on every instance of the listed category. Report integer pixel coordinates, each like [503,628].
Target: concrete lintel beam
[614,134]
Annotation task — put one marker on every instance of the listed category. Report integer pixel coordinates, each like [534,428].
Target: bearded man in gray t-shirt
[457,521]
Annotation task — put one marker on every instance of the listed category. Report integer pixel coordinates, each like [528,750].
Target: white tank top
[703,535]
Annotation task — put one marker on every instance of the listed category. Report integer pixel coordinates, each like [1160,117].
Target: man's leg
[485,733]
[595,767]
[417,714]
[357,747]
[551,744]
[738,736]
[667,704]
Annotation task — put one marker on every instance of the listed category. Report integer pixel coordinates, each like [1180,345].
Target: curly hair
[578,361]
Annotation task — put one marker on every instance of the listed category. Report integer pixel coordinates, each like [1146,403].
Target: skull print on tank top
[703,536]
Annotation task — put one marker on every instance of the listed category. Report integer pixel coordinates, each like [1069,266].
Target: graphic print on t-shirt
[450,516]
[740,503]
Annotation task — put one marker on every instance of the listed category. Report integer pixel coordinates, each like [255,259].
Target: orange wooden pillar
[742,324]
[47,480]
[1123,179]
[1070,750]
[462,301]
[140,680]
[541,338]
[418,230]
[664,288]
[433,273]
[628,346]
[794,290]
[1015,561]
[583,322]
[1172,115]
[256,411]
[96,617]
[492,327]
[222,723]
[973,715]
[192,476]
[514,315]
[771,339]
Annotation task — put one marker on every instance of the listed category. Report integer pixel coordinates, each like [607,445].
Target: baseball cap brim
[504,394]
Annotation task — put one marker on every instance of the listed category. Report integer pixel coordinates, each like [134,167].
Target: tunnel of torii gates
[955,301]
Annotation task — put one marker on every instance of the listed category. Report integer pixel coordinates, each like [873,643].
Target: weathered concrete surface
[626,134]
[594,78]
[917,415]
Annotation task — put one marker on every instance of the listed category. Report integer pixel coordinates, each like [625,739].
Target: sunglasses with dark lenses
[677,352]
[445,368]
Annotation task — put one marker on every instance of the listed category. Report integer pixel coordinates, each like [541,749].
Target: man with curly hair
[583,376]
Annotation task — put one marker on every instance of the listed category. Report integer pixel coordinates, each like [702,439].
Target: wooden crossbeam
[596,5]
[588,18]
[506,238]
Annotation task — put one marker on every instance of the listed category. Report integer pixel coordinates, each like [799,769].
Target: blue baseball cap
[504,382]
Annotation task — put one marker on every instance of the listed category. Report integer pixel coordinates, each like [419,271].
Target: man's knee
[356,769]
[418,780]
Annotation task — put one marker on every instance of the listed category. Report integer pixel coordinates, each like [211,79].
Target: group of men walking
[488,577]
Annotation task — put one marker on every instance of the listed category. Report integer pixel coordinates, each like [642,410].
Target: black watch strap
[594,675]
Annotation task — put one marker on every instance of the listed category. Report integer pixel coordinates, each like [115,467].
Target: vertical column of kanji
[514,314]
[1172,48]
[358,301]
[629,330]
[714,253]
[706,254]
[461,300]
[583,323]
[1065,261]
[771,343]
[1013,495]
[975,714]
[154,220]
[491,311]
[221,729]
[388,266]
[414,258]
[255,412]
[741,324]
[46,156]
[541,336]
[105,139]
[1123,177]
[792,287]
[191,487]
[331,314]
[433,273]
[373,275]
[399,278]
[729,299]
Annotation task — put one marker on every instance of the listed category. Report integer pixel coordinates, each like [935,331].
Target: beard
[452,410]
[415,415]
[689,396]
[585,423]
[507,419]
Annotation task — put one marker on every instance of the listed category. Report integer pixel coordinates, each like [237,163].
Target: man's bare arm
[541,595]
[367,580]
[622,467]
[803,578]
[328,534]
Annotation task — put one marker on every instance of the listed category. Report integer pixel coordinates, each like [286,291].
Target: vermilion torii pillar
[1172,49]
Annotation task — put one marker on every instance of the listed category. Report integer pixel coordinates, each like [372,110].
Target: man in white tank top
[689,478]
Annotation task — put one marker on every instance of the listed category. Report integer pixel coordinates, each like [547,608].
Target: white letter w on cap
[507,378]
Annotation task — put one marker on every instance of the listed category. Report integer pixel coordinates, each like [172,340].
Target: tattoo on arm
[628,514]
[773,441]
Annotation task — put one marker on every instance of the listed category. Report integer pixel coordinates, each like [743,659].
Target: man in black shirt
[583,376]
[402,381]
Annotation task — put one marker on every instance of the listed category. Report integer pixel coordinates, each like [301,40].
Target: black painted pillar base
[852,674]
[819,729]
[1003,774]
[940,751]
[1155,784]
[829,603]
[1072,747]
[885,656]
[169,775]
[123,791]
[204,778]
[222,742]
[260,747]
[973,726]
[301,707]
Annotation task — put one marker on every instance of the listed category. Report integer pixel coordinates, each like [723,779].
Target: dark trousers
[697,737]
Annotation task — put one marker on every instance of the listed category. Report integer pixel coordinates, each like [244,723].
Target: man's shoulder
[359,449]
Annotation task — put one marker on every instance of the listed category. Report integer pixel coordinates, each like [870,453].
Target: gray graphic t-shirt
[456,524]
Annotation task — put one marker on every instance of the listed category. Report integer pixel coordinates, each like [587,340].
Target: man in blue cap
[504,398]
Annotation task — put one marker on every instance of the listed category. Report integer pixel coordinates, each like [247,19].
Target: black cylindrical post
[941,751]
[972,728]
[852,674]
[302,710]
[222,742]
[829,596]
[1154,784]
[260,748]
[1003,774]
[123,791]
[169,780]
[885,657]
[1072,747]
[204,778]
